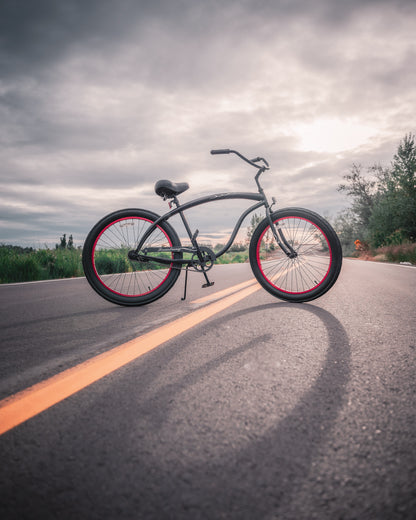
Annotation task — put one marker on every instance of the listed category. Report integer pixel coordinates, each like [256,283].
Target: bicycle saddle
[168,189]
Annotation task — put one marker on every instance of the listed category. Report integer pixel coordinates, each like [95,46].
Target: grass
[233,258]
[27,265]
[19,264]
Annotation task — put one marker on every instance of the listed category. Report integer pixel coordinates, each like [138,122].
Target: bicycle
[134,256]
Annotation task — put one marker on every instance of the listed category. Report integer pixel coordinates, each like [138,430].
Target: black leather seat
[168,189]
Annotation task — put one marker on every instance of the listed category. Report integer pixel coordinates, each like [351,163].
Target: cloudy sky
[99,99]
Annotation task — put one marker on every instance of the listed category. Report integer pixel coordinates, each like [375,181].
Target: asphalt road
[266,410]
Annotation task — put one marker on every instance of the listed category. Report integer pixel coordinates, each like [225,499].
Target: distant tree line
[383,202]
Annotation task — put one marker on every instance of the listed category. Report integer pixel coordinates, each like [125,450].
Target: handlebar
[223,150]
[249,161]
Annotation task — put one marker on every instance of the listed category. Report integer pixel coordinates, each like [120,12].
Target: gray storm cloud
[98,100]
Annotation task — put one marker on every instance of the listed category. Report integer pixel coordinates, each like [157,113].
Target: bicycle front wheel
[108,268]
[313,268]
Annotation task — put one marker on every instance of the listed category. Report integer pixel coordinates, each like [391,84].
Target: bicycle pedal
[209,284]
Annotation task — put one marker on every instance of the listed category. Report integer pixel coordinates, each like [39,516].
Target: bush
[26,265]
[66,264]
[399,253]
[398,237]
[18,266]
[111,262]
[232,258]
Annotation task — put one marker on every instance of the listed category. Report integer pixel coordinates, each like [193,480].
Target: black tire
[109,270]
[318,259]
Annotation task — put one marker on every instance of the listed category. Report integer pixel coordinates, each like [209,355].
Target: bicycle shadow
[262,477]
[153,475]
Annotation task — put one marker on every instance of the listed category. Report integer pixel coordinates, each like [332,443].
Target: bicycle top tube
[210,198]
[261,201]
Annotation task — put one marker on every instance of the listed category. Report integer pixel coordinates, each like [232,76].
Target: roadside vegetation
[237,254]
[18,264]
[380,224]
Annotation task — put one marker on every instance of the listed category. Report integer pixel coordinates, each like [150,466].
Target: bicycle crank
[203,260]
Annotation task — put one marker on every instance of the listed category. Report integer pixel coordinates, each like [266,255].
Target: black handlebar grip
[223,150]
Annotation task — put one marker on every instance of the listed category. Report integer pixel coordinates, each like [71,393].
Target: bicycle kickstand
[208,284]
[186,281]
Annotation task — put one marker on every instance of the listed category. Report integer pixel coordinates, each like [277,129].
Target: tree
[404,165]
[393,216]
[348,229]
[62,244]
[363,193]
[383,209]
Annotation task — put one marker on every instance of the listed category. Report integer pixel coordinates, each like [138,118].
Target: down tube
[237,227]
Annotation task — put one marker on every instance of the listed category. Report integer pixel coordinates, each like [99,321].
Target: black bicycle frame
[260,197]
[262,201]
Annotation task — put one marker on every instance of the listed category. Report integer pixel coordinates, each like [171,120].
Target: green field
[26,264]
[19,264]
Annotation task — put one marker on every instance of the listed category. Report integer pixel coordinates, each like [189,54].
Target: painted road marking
[225,292]
[28,403]
[238,287]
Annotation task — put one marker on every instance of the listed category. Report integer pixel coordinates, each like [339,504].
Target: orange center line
[225,292]
[32,401]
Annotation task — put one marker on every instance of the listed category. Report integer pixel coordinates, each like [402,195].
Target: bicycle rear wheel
[109,270]
[315,267]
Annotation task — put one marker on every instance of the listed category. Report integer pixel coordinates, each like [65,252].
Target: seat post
[185,222]
[195,245]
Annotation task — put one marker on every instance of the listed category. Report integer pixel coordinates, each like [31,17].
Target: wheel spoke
[303,273]
[116,271]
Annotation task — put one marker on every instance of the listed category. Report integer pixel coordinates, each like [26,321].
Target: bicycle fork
[280,237]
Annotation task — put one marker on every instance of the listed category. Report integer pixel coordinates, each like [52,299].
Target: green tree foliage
[394,213]
[64,244]
[383,209]
[348,230]
[363,193]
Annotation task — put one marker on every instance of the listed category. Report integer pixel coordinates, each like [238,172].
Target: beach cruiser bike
[134,256]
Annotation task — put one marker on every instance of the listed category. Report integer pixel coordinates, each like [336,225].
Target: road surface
[260,409]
